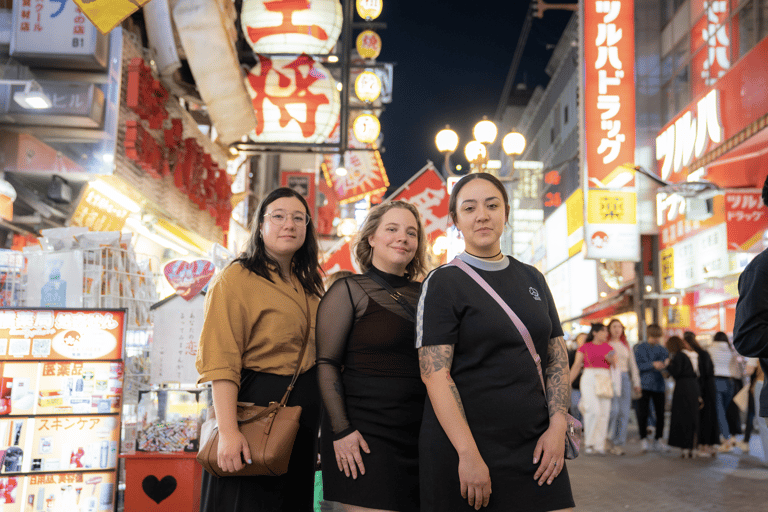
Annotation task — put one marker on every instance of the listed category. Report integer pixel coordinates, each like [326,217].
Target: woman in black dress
[490,436]
[709,431]
[684,421]
[368,370]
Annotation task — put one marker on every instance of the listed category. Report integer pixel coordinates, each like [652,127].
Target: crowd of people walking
[609,377]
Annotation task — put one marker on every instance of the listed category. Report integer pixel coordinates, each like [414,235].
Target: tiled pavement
[732,482]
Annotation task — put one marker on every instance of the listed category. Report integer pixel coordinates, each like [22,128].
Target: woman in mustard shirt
[256,313]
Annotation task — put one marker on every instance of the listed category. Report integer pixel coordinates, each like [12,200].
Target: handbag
[603,385]
[573,428]
[270,431]
[741,399]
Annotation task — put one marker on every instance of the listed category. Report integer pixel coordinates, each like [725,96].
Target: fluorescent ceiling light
[32,97]
[115,195]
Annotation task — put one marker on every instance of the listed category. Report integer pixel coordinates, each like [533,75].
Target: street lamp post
[447,141]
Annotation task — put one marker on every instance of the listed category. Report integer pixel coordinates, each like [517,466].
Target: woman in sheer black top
[368,369]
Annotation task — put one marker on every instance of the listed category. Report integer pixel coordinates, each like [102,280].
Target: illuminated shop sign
[689,137]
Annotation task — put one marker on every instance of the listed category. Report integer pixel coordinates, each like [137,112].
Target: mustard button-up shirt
[256,324]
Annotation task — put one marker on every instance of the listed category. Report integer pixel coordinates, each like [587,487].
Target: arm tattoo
[434,358]
[557,377]
[456,396]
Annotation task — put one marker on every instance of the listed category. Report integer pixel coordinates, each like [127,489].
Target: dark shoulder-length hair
[690,338]
[493,180]
[595,328]
[305,264]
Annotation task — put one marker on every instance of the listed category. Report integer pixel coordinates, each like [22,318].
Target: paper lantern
[367,86]
[290,26]
[369,9]
[295,100]
[366,128]
[368,44]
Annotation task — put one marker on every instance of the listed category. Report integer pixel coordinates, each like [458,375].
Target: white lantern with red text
[366,128]
[295,100]
[369,9]
[368,44]
[367,86]
[287,26]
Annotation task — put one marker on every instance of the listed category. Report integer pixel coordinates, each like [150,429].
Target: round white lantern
[272,27]
[366,128]
[367,86]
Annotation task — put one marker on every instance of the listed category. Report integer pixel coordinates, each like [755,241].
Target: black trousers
[643,408]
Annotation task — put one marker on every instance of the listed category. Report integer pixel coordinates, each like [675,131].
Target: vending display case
[61,386]
[170,419]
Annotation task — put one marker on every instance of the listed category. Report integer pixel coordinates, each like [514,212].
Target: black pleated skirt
[387,411]
[291,492]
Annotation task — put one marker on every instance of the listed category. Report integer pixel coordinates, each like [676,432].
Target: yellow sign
[98,212]
[611,207]
[678,316]
[368,44]
[667,259]
[107,14]
[574,208]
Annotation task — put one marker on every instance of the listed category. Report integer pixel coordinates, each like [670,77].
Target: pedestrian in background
[651,356]
[709,431]
[257,313]
[750,330]
[684,420]
[491,436]
[626,384]
[581,338]
[368,370]
[726,364]
[595,357]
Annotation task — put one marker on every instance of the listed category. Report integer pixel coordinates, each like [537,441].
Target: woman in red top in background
[596,357]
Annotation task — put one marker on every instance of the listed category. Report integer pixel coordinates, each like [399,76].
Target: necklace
[483,257]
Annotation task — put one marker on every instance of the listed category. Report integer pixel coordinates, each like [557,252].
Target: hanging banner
[341,259]
[746,219]
[609,116]
[365,175]
[427,192]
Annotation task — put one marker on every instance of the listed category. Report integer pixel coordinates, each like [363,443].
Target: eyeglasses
[278,217]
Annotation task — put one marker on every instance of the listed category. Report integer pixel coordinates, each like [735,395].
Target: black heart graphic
[158,490]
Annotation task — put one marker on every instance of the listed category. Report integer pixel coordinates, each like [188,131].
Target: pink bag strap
[512,316]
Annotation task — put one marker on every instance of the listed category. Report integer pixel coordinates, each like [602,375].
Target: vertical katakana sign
[609,119]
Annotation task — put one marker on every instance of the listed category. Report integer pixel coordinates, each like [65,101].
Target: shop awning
[622,302]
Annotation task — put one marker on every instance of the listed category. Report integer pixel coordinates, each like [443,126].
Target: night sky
[451,61]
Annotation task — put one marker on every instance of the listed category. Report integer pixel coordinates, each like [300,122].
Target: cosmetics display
[61,393]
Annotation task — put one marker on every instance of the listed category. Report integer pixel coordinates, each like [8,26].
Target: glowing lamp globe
[368,86]
[291,27]
[366,128]
[485,131]
[513,143]
[368,44]
[475,151]
[446,140]
[369,9]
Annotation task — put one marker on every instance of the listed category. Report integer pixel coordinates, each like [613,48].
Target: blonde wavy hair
[364,252]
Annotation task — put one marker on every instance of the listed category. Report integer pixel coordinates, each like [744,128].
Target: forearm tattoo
[456,396]
[557,377]
[434,358]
